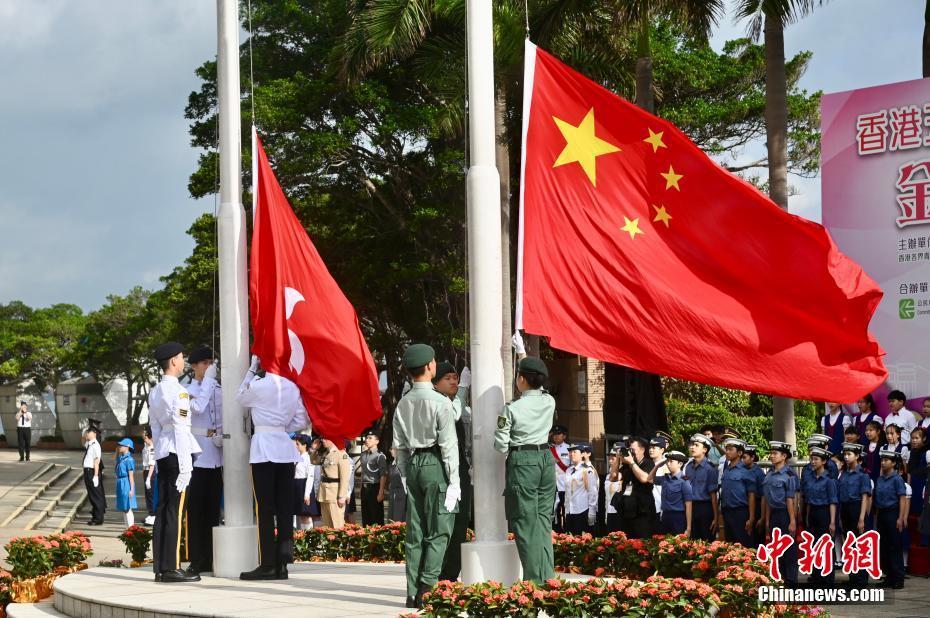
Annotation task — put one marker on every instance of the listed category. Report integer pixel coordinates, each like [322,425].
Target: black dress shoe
[411,602]
[281,572]
[193,569]
[158,577]
[178,576]
[261,573]
[422,590]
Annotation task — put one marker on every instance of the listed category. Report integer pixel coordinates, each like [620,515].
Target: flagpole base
[235,550]
[491,560]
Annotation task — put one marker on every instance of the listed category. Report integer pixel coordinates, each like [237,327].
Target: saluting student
[206,489]
[854,490]
[522,432]
[703,478]
[428,460]
[820,500]
[891,518]
[175,447]
[677,496]
[780,489]
[277,410]
[737,496]
[580,494]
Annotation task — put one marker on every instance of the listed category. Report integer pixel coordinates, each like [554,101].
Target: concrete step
[63,479]
[17,501]
[61,508]
[43,609]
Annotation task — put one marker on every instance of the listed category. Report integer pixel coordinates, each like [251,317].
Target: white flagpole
[491,556]
[235,543]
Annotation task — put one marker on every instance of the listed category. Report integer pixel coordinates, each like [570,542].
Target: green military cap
[417,355]
[442,369]
[532,364]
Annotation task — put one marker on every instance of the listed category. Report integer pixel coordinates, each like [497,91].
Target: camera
[624,451]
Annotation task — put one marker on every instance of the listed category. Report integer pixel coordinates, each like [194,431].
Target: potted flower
[31,560]
[70,551]
[6,591]
[137,541]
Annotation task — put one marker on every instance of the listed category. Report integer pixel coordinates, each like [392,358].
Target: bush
[29,557]
[351,544]
[6,588]
[115,564]
[51,439]
[69,549]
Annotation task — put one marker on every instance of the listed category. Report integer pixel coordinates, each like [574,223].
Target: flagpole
[235,543]
[491,556]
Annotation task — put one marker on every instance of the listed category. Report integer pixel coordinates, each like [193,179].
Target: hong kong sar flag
[304,327]
[638,249]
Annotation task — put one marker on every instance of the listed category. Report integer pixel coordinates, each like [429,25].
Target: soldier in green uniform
[523,433]
[446,381]
[428,461]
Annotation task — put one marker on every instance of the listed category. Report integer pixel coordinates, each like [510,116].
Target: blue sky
[96,155]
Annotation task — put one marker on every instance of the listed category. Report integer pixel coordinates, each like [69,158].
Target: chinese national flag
[638,249]
[304,327]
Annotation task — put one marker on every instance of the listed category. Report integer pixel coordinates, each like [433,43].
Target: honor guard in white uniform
[559,449]
[277,410]
[175,447]
[206,490]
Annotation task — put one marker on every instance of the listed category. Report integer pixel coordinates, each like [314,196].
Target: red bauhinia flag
[304,327]
[637,249]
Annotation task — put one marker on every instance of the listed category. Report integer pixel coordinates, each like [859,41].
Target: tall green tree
[773,16]
[37,344]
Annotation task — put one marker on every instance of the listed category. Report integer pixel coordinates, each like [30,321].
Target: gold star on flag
[582,146]
[655,140]
[671,178]
[661,215]
[631,227]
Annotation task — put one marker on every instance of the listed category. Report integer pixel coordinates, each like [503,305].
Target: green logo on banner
[906,308]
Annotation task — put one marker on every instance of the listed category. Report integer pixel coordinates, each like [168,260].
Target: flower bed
[673,575]
[35,563]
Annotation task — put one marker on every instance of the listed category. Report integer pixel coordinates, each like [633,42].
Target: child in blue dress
[125,485]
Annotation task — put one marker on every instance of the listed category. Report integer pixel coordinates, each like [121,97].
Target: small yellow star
[671,178]
[662,215]
[632,227]
[655,139]
[582,146]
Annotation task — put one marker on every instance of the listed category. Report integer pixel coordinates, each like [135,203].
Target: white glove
[453,493]
[96,481]
[254,366]
[148,483]
[210,373]
[591,517]
[217,440]
[403,481]
[184,479]
[517,342]
[465,377]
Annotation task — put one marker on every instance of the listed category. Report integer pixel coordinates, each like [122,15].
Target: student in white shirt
[900,416]
[148,473]
[23,430]
[303,483]
[581,488]
[92,455]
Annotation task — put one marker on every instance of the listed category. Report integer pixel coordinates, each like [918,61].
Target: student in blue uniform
[703,478]
[737,495]
[890,507]
[779,493]
[819,493]
[821,441]
[751,461]
[677,497]
[853,493]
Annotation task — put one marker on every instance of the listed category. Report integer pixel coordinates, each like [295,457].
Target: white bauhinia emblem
[291,298]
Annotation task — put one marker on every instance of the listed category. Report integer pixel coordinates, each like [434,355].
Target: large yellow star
[655,140]
[632,227]
[671,178]
[582,146]
[661,215]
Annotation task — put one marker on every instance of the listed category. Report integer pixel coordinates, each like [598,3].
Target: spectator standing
[24,431]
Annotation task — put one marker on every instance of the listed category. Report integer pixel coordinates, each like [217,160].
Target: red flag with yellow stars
[638,249]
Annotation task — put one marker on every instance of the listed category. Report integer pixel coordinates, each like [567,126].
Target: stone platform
[323,588]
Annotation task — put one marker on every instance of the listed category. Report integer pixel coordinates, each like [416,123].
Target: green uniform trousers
[528,499]
[452,564]
[429,524]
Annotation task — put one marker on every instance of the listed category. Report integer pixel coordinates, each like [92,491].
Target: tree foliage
[37,343]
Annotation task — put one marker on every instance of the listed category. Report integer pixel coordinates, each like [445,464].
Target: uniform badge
[184,395]
[501,422]
[183,413]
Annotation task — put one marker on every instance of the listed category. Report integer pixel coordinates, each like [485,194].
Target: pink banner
[876,204]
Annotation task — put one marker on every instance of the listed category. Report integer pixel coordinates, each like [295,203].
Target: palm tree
[771,16]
